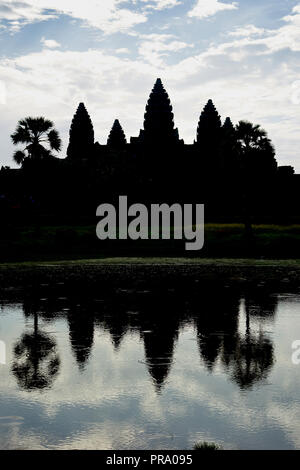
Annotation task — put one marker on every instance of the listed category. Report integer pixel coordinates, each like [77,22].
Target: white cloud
[206,8]
[105,15]
[155,47]
[50,43]
[2,93]
[285,37]
[248,30]
[122,50]
[18,13]
[161,4]
[253,41]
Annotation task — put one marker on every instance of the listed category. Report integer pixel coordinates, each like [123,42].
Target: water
[150,370]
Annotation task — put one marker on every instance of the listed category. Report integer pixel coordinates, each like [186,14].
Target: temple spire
[81,134]
[116,138]
[209,124]
[159,117]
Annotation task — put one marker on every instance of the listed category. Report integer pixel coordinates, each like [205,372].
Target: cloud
[285,37]
[123,50]
[206,8]
[248,30]
[2,93]
[105,15]
[253,42]
[161,4]
[155,47]
[50,43]
[21,13]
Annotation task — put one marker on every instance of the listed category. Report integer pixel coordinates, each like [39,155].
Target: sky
[243,55]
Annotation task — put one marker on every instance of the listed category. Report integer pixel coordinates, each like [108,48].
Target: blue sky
[244,55]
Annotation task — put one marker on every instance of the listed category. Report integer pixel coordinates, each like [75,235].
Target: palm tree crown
[35,133]
[251,136]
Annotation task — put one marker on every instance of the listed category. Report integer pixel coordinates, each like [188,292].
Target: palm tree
[257,161]
[35,132]
[250,135]
[256,150]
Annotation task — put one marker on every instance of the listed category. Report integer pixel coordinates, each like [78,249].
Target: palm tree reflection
[36,362]
[252,357]
[253,360]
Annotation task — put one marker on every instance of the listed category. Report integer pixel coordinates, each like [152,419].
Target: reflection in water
[149,365]
[159,347]
[81,328]
[217,323]
[252,361]
[260,304]
[157,316]
[254,353]
[36,362]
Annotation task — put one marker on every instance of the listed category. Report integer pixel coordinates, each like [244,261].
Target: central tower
[159,119]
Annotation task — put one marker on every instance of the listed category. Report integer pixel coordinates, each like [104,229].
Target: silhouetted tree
[116,138]
[256,148]
[286,171]
[35,133]
[257,165]
[81,134]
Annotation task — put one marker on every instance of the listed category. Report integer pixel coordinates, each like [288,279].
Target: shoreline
[278,274]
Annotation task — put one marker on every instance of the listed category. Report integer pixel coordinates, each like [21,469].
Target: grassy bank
[148,273]
[29,243]
[157,261]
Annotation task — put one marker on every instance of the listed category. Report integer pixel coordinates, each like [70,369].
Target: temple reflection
[229,326]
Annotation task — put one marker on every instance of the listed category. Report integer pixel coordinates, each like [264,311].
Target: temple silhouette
[231,169]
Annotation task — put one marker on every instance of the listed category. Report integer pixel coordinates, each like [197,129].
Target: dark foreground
[128,354]
[278,274]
